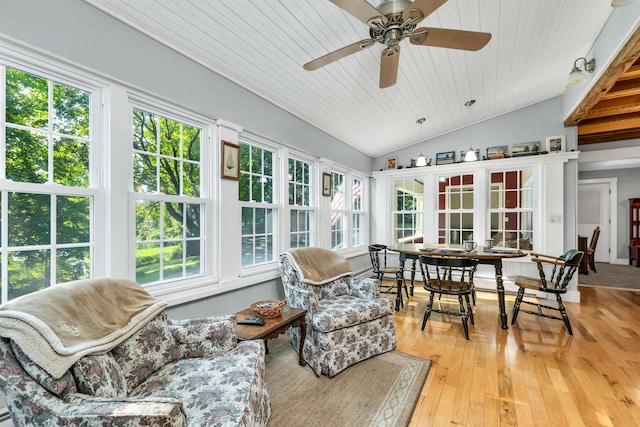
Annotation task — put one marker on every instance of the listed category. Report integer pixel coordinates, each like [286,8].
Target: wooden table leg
[400,282]
[500,286]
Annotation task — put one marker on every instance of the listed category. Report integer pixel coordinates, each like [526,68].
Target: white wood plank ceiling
[262,45]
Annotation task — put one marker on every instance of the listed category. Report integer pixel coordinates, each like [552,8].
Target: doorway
[595,200]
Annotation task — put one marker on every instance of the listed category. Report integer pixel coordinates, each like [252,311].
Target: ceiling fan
[390,23]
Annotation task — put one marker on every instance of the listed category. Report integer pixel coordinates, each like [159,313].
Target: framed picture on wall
[445,158]
[556,144]
[230,160]
[497,152]
[326,184]
[391,163]
[525,149]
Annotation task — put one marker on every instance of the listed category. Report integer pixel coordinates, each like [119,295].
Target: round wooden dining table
[490,256]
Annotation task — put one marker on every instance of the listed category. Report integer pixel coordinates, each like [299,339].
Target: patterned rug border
[395,408]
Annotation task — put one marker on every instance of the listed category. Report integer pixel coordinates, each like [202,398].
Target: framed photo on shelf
[391,163]
[497,152]
[445,158]
[525,149]
[326,184]
[463,154]
[556,144]
[230,161]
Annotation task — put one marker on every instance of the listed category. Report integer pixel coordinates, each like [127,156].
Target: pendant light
[471,154]
[421,160]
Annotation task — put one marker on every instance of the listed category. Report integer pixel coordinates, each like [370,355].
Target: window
[257,199]
[511,211]
[338,212]
[455,208]
[48,184]
[348,211]
[169,206]
[358,215]
[301,214]
[408,215]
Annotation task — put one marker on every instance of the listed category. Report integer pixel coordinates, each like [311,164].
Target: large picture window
[256,194]
[408,213]
[48,186]
[169,207]
[511,210]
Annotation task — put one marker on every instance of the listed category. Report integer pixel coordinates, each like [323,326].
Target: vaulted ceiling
[262,46]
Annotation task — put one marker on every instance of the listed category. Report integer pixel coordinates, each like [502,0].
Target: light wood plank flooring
[534,374]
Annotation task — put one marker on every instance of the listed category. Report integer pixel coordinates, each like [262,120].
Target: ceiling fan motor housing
[388,7]
[396,28]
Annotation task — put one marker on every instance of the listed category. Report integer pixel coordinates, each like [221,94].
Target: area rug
[381,391]
[612,276]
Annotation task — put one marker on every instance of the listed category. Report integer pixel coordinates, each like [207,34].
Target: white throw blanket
[56,326]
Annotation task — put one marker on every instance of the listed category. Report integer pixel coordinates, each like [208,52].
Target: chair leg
[465,326]
[516,305]
[469,310]
[563,311]
[427,312]
[592,263]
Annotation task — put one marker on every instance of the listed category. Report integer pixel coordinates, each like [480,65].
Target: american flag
[337,200]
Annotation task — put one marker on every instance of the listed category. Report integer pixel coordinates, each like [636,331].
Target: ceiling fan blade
[389,66]
[338,54]
[427,7]
[452,39]
[361,9]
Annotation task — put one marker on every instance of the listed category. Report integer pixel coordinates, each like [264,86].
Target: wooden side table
[273,327]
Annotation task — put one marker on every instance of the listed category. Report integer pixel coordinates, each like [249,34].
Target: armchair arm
[207,336]
[364,287]
[301,298]
[91,411]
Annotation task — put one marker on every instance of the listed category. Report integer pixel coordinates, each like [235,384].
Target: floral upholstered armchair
[147,370]
[347,321]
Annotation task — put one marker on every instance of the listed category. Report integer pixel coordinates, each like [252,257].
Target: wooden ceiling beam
[621,64]
[609,124]
[623,88]
[613,107]
[609,136]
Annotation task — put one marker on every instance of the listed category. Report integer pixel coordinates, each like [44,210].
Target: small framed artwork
[463,154]
[391,163]
[525,149]
[326,184]
[230,160]
[556,144]
[445,158]
[497,152]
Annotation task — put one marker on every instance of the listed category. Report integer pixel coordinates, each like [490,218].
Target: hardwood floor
[534,374]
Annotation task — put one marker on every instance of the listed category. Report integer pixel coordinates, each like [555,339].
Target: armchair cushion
[57,386]
[100,375]
[146,351]
[204,337]
[346,311]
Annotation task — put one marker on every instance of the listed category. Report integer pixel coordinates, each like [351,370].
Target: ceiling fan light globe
[576,77]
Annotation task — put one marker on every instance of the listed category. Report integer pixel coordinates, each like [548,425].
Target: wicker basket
[267,308]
